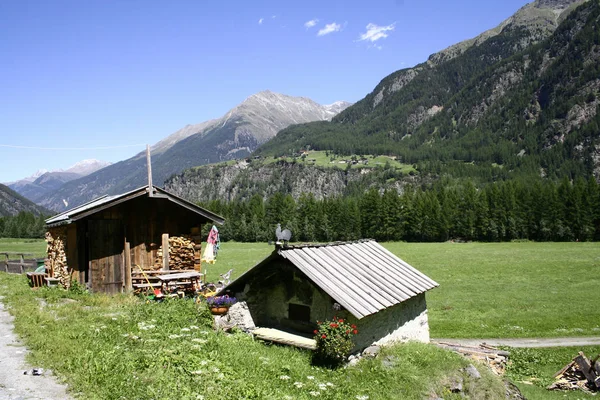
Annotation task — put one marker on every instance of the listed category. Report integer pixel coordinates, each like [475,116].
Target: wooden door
[106,243]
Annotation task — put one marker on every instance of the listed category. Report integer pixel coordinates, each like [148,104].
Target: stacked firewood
[495,358]
[181,253]
[579,374]
[56,262]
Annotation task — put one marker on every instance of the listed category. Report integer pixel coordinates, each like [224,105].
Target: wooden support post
[5,262]
[128,286]
[165,248]
[22,262]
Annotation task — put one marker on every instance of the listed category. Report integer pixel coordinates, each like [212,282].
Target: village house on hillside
[296,286]
[107,237]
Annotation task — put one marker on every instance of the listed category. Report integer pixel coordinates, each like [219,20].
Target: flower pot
[219,310]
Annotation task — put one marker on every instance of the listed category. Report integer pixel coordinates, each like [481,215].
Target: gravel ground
[531,343]
[17,379]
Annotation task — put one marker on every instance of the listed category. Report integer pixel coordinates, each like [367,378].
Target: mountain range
[518,100]
[38,185]
[12,203]
[235,135]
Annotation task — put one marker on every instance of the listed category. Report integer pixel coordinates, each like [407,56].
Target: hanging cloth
[212,245]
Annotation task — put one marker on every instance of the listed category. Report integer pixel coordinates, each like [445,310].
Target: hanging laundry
[213,243]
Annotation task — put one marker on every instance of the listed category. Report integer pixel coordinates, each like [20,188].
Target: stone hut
[296,286]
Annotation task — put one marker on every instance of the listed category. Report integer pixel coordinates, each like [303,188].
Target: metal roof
[362,276]
[105,202]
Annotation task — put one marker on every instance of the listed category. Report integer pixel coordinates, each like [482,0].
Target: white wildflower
[362,397]
[221,376]
[114,318]
[199,397]
[194,327]
[203,362]
[144,326]
[197,372]
[322,386]
[310,377]
[215,369]
[284,377]
[330,384]
[174,336]
[198,340]
[314,393]
[185,329]
[298,384]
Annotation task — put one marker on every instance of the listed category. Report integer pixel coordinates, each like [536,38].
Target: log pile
[494,358]
[56,262]
[182,254]
[579,374]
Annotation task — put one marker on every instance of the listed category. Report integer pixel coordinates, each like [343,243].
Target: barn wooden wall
[100,257]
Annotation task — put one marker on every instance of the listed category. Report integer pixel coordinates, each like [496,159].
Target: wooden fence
[19,264]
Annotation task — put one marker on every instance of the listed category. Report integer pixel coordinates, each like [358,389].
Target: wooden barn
[362,282]
[100,242]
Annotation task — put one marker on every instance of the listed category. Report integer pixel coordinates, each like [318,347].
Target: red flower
[341,321]
[315,331]
[355,331]
[347,332]
[353,326]
[333,325]
[323,336]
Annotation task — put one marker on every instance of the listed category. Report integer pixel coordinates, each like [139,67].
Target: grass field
[123,347]
[487,290]
[35,246]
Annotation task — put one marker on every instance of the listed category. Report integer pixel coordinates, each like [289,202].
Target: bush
[334,342]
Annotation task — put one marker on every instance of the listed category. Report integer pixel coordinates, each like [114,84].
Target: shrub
[334,342]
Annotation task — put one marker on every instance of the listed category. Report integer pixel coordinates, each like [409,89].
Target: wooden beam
[165,247]
[127,251]
[149,162]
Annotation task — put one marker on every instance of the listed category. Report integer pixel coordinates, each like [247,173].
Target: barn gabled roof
[362,276]
[104,202]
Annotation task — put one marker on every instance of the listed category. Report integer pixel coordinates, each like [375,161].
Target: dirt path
[14,383]
[533,342]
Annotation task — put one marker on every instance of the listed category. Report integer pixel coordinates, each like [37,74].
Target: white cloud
[376,32]
[329,28]
[260,21]
[311,23]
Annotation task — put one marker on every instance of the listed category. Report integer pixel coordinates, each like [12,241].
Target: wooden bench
[36,279]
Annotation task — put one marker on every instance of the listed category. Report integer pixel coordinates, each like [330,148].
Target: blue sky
[77,76]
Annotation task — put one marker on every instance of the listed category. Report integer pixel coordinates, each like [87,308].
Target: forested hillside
[12,203]
[510,107]
[502,211]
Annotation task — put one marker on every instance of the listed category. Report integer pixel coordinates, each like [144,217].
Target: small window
[297,312]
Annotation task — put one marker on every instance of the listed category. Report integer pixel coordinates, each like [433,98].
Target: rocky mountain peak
[555,4]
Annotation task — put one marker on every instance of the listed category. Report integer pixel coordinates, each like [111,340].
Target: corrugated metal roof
[362,276]
[67,217]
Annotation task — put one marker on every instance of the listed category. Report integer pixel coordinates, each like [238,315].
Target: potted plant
[219,305]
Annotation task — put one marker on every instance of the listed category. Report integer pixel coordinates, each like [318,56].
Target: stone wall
[400,323]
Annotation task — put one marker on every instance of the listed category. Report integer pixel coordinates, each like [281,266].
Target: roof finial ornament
[283,237]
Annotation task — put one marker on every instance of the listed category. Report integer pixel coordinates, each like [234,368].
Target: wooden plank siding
[96,250]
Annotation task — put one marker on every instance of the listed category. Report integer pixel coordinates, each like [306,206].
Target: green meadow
[486,290]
